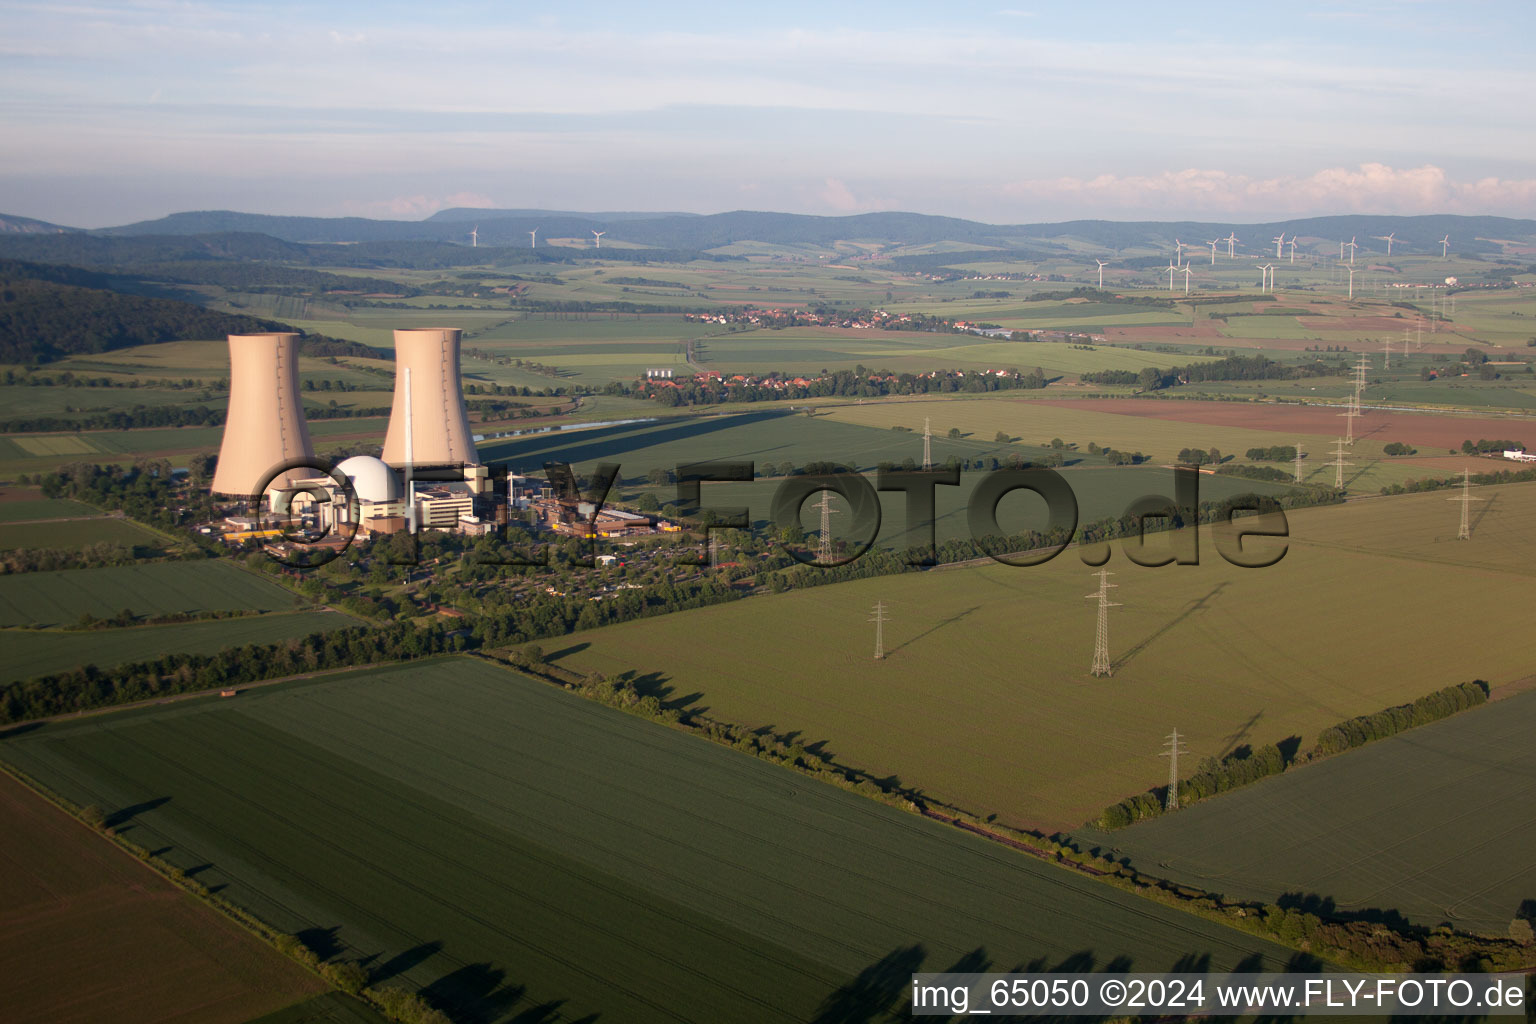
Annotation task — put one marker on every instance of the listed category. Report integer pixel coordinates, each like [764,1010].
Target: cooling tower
[429,402]
[265,423]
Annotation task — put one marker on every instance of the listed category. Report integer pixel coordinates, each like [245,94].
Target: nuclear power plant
[265,424]
[428,424]
[428,429]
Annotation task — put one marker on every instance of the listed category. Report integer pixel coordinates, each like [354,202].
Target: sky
[1008,112]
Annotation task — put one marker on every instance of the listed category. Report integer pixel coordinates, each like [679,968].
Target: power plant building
[265,424]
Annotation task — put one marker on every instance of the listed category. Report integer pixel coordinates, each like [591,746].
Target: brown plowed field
[1422,430]
[88,934]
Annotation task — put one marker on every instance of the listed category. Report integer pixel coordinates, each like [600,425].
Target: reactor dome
[372,480]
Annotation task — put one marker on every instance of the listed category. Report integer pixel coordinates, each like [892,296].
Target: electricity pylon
[1298,462]
[1101,665]
[824,551]
[879,620]
[1338,464]
[927,445]
[1466,499]
[1172,754]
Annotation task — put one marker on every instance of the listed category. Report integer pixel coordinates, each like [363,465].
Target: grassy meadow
[501,844]
[155,588]
[984,698]
[41,652]
[1369,808]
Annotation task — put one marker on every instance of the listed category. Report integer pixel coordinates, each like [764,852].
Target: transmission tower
[824,551]
[927,445]
[1101,634]
[1386,351]
[1338,464]
[1349,414]
[1172,754]
[1466,499]
[879,620]
[1298,462]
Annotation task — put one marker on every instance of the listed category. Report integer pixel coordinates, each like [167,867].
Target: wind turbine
[1213,250]
[1351,281]
[1187,271]
[533,241]
[1179,248]
[1279,240]
[1292,244]
[1171,269]
[597,237]
[1102,264]
[1445,246]
[1389,239]
[1269,277]
[1351,247]
[474,237]
[1231,241]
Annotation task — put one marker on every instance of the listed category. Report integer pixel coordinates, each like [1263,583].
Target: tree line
[1244,766]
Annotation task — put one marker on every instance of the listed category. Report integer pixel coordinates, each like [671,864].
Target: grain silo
[429,402]
[264,426]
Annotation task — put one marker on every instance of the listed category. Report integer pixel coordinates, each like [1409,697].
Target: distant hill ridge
[686,233]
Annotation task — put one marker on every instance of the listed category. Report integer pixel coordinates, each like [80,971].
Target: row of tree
[1244,766]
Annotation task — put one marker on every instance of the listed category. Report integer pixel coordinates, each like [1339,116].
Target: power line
[1101,666]
[879,620]
[1172,754]
[1466,499]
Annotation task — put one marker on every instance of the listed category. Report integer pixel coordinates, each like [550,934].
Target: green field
[508,846]
[156,588]
[34,653]
[809,350]
[77,533]
[984,698]
[24,509]
[1036,423]
[774,437]
[1432,823]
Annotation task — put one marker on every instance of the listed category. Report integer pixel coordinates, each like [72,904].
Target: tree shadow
[874,991]
[17,730]
[401,962]
[654,684]
[325,943]
[933,629]
[478,994]
[123,815]
[564,651]
[1229,745]
[1197,605]
[1325,907]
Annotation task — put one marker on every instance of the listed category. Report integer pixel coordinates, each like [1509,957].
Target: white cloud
[414,207]
[1368,188]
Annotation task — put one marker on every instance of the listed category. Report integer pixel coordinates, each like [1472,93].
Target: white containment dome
[429,402]
[371,478]
[265,423]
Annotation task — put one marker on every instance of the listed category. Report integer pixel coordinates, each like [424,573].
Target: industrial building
[428,438]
